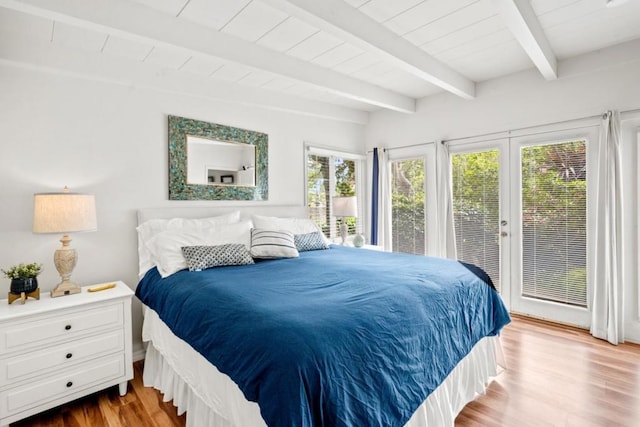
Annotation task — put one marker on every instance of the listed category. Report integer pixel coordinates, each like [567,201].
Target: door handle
[503,234]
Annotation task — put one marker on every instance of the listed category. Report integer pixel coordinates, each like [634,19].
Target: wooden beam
[349,24]
[523,23]
[137,22]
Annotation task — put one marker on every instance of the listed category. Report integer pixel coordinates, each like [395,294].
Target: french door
[521,213]
[480,194]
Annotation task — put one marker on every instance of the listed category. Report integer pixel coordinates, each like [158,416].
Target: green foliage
[23,271]
[475,182]
[408,202]
[572,284]
[345,177]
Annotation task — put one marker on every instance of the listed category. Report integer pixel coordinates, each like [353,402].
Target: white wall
[589,86]
[111,140]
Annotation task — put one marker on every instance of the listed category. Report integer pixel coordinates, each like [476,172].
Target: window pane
[407,206]
[554,213]
[476,210]
[319,191]
[329,176]
[345,171]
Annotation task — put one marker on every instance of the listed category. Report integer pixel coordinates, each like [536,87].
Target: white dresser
[55,350]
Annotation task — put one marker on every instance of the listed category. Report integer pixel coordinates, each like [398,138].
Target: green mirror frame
[180,189]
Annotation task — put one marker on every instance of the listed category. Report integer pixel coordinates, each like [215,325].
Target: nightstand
[55,350]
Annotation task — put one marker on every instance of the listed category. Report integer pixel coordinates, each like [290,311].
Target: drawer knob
[69,384]
[69,355]
[67,327]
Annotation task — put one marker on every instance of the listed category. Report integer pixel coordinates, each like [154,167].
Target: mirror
[212,162]
[209,161]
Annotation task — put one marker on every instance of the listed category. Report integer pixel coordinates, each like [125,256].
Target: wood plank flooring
[556,376]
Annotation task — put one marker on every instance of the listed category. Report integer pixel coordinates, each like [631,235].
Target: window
[408,220]
[331,173]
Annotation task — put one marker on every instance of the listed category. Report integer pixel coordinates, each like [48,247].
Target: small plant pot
[24,285]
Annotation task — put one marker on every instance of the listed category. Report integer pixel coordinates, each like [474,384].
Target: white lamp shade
[64,213]
[345,206]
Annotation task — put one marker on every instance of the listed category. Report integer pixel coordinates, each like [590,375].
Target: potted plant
[23,277]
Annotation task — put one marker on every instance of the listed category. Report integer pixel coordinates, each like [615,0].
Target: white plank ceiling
[355,54]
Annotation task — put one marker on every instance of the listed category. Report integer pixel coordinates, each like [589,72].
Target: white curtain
[606,274]
[384,201]
[446,236]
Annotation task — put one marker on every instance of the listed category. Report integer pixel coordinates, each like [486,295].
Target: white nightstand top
[46,303]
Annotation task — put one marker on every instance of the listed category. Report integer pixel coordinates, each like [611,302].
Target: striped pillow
[272,244]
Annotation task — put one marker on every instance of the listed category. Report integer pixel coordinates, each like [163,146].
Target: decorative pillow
[166,247]
[310,241]
[148,229]
[272,244]
[202,257]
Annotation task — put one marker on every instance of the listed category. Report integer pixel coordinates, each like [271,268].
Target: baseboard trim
[139,353]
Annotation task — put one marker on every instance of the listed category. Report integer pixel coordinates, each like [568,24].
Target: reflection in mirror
[213,162]
[210,161]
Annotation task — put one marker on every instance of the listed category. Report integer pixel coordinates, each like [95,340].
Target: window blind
[319,191]
[408,221]
[554,218]
[476,210]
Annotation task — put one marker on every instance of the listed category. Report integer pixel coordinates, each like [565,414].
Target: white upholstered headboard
[291,211]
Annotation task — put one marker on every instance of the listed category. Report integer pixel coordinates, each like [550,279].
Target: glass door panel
[476,209]
[408,220]
[554,222]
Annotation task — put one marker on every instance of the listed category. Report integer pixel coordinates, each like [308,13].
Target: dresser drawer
[57,386]
[40,331]
[41,362]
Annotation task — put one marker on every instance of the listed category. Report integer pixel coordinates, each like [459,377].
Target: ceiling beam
[137,22]
[94,66]
[525,26]
[344,21]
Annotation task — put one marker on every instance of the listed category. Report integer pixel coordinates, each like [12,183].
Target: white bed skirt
[211,398]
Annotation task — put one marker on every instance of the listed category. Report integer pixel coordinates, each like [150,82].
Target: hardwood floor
[559,376]
[140,407]
[556,376]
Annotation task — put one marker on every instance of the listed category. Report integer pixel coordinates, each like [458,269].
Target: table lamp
[64,213]
[344,207]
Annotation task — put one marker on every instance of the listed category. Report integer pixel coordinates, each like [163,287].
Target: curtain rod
[446,141]
[420,144]
[595,116]
[507,131]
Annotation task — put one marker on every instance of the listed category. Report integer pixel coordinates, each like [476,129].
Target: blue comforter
[338,337]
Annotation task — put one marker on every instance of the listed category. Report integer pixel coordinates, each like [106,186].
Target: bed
[338,336]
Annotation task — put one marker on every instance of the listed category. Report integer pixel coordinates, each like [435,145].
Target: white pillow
[166,247]
[272,244]
[292,225]
[152,227]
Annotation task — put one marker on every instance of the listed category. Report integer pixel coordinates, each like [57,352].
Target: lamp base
[344,231]
[65,260]
[66,287]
